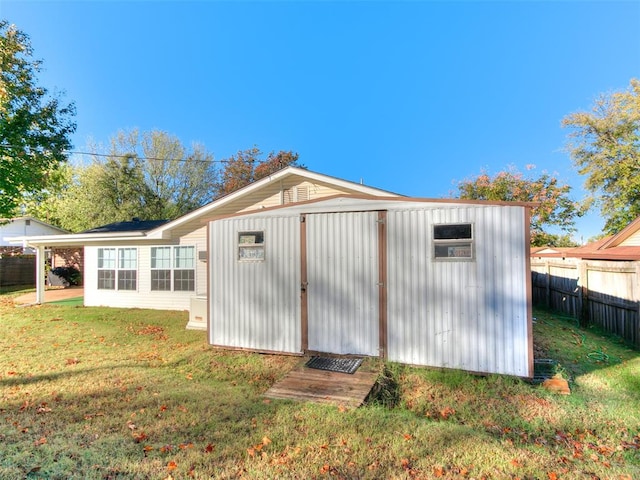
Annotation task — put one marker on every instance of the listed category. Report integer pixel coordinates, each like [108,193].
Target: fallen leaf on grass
[43,408]
[438,471]
[209,448]
[42,441]
[72,361]
[446,412]
[172,465]
[139,437]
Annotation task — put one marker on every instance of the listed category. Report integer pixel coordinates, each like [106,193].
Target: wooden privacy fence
[18,270]
[602,293]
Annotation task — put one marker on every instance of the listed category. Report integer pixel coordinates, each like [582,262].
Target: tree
[97,194]
[150,175]
[34,126]
[246,167]
[605,146]
[180,179]
[554,207]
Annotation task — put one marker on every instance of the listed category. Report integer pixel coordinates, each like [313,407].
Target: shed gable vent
[295,194]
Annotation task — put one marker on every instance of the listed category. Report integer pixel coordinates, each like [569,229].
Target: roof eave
[163,231]
[74,239]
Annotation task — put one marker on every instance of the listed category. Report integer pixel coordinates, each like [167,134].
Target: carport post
[40,274]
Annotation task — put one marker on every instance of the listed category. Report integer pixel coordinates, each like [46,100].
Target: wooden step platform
[313,385]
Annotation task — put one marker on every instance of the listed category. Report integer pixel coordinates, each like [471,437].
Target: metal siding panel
[256,305]
[467,315]
[342,260]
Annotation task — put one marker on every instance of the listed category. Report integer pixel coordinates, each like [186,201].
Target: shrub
[70,274]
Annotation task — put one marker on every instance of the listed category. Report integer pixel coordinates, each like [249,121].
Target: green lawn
[111,393]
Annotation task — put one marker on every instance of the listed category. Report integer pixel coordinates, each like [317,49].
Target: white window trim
[452,242]
[116,268]
[244,246]
[172,267]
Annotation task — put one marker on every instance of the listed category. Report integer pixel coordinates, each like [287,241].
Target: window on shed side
[251,246]
[453,241]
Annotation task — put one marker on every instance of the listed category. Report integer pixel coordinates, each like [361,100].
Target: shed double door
[342,283]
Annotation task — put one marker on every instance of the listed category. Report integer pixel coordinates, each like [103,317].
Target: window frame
[122,270]
[173,265]
[245,245]
[461,242]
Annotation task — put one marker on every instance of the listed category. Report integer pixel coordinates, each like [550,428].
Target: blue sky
[411,97]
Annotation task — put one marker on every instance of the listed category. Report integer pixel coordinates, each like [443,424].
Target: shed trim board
[469,313]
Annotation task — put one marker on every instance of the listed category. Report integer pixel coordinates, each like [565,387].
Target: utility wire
[129,155]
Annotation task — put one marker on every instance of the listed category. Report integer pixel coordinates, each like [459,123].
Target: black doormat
[341,365]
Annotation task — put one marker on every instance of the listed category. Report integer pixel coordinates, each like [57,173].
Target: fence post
[583,297]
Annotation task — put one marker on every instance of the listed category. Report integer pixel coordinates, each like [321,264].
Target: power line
[129,155]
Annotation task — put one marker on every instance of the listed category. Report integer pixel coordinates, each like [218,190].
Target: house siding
[632,241]
[143,296]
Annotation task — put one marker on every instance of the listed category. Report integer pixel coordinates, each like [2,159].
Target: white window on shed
[453,241]
[251,246]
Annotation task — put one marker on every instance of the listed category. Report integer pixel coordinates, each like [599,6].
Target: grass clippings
[98,393]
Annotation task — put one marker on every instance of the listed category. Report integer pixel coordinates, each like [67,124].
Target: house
[442,283]
[24,226]
[300,262]
[17,261]
[163,265]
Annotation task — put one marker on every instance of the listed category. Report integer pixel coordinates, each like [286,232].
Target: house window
[251,246]
[453,241]
[173,268]
[106,268]
[160,268]
[184,273]
[117,268]
[127,268]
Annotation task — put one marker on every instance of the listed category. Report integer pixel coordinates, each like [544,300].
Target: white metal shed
[443,283]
